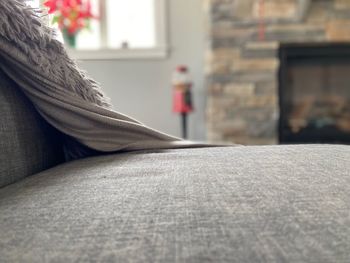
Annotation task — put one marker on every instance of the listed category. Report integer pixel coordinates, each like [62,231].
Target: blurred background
[259,71]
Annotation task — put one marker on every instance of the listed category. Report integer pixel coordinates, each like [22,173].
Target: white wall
[142,88]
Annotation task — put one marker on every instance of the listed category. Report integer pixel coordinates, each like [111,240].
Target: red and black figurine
[182,95]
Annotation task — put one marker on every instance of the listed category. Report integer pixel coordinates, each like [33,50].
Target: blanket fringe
[24,28]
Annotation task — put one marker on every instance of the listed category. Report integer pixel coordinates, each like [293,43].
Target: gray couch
[229,204]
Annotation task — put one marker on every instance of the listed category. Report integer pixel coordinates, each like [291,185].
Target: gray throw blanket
[63,94]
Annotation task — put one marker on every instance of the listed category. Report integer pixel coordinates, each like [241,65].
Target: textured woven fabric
[27,144]
[232,204]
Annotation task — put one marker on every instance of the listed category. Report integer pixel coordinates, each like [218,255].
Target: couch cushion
[233,204]
[27,144]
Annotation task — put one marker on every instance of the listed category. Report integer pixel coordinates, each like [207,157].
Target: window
[33,3]
[125,29]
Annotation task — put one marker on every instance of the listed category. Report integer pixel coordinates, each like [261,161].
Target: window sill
[118,54]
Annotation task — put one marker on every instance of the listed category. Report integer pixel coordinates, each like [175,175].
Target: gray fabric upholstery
[27,144]
[233,204]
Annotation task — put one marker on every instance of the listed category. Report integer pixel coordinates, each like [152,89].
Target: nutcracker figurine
[182,97]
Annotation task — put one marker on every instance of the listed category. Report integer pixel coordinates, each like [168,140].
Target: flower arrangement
[71,17]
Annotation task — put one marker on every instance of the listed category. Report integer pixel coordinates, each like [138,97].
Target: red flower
[71,15]
[52,5]
[73,27]
[86,12]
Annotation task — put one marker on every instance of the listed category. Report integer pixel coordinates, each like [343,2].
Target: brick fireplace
[242,71]
[314,93]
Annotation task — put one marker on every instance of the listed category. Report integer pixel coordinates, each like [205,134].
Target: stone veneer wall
[242,105]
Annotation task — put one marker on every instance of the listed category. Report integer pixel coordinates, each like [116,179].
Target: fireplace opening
[314,93]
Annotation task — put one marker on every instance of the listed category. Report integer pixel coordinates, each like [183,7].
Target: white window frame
[104,53]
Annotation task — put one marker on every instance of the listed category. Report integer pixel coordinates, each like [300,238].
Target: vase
[69,39]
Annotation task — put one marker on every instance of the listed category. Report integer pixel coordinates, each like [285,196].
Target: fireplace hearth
[314,93]
[243,71]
